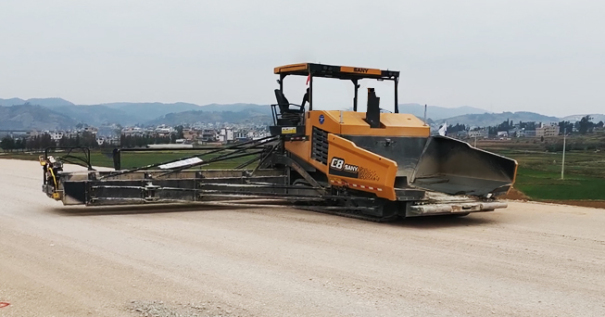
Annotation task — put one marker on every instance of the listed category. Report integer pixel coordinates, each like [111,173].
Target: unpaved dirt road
[529,260]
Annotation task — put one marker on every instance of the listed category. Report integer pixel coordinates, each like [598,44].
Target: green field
[539,175]
[138,159]
[543,185]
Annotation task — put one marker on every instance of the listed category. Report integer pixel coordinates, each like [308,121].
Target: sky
[540,56]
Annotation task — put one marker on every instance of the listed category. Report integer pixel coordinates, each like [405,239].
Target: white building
[56,136]
[226,135]
[479,133]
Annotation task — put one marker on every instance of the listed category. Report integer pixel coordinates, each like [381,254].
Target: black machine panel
[406,151]
[319,146]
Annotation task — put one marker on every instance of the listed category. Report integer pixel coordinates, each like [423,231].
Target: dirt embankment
[515,194]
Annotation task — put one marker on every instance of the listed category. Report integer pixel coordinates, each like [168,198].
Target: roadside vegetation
[102,158]
[539,173]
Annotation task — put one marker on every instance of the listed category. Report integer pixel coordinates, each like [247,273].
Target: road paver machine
[373,165]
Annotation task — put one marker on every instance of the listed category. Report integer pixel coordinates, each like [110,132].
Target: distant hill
[236,107]
[595,117]
[11,102]
[49,102]
[124,113]
[45,102]
[33,117]
[98,115]
[437,113]
[129,113]
[492,119]
[199,116]
[145,111]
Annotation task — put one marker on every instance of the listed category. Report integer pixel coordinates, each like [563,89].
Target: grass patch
[138,159]
[545,185]
[539,174]
[576,163]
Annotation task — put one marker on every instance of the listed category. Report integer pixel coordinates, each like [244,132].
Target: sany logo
[3,304]
[339,164]
[351,168]
[360,70]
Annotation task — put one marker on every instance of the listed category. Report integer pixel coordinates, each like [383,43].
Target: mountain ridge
[33,117]
[493,119]
[131,113]
[596,117]
[44,102]
[436,112]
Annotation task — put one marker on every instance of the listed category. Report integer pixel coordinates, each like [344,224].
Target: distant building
[209,135]
[135,131]
[226,135]
[241,134]
[547,130]
[479,133]
[92,130]
[14,134]
[108,131]
[112,141]
[56,136]
[191,134]
[163,131]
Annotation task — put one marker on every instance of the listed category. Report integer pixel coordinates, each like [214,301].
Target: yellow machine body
[383,153]
[376,174]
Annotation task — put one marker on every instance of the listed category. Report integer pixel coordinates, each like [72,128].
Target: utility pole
[425,114]
[563,160]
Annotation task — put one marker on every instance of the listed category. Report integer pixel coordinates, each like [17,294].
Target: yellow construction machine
[373,165]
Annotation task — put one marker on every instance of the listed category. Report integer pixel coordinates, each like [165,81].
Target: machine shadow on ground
[138,209]
[432,222]
[435,222]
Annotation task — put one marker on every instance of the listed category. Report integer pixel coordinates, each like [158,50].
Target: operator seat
[293,116]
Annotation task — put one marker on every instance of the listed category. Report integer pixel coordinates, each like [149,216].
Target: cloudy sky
[542,56]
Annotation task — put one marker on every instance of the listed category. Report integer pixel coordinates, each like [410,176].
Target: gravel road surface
[528,260]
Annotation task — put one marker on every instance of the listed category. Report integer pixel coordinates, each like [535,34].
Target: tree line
[583,126]
[84,139]
[32,143]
